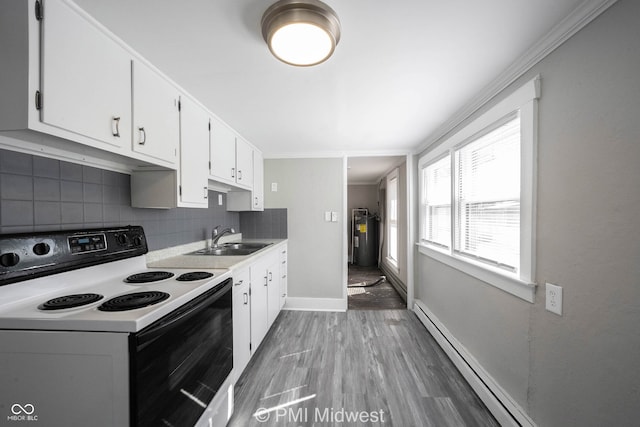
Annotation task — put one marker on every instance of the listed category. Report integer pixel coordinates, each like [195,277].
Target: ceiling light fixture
[301,32]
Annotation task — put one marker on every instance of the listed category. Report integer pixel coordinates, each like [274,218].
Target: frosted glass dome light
[301,33]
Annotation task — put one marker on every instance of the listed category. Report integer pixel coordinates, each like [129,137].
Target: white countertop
[215,261]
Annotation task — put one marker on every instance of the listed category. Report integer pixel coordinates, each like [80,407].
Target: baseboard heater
[505,410]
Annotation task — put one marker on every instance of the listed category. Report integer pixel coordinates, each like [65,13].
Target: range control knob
[10,259]
[41,248]
[123,239]
[137,241]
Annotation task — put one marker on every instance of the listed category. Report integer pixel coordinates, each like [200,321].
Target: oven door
[180,361]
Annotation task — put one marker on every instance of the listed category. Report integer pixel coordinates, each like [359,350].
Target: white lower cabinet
[241,321]
[283,276]
[265,302]
[259,298]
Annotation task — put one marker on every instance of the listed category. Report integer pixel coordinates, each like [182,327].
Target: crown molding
[334,154]
[574,22]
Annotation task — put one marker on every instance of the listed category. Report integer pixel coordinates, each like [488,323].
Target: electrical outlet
[327,216]
[274,187]
[553,298]
[334,216]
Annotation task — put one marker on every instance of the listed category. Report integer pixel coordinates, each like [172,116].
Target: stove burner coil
[148,276]
[194,275]
[70,301]
[133,301]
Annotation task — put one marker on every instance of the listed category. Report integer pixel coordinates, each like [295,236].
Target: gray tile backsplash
[272,223]
[40,194]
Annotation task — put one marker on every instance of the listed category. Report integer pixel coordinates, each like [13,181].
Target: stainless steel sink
[231,249]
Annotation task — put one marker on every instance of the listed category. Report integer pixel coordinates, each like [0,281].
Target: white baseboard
[316,304]
[499,403]
[394,281]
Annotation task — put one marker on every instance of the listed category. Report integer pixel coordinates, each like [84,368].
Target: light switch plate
[327,216]
[219,199]
[274,187]
[553,298]
[334,216]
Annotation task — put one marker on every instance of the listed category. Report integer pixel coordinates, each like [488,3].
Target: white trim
[316,304]
[485,273]
[334,154]
[501,405]
[411,227]
[346,219]
[574,22]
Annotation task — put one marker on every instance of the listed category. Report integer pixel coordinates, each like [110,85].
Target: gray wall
[308,188]
[580,369]
[40,194]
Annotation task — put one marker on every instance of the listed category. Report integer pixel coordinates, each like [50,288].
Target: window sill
[521,289]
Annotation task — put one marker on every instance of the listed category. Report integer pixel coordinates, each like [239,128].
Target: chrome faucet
[215,235]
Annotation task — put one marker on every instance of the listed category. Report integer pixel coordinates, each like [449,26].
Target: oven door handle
[182,314]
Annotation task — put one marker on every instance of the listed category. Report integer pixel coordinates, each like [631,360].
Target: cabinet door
[241,321]
[223,152]
[86,79]
[194,143]
[244,163]
[273,304]
[259,314]
[258,182]
[156,122]
[283,277]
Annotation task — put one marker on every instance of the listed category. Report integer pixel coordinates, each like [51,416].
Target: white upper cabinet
[86,78]
[250,200]
[222,152]
[231,159]
[156,130]
[244,163]
[194,150]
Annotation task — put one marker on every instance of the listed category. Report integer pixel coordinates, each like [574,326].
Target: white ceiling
[369,170]
[402,68]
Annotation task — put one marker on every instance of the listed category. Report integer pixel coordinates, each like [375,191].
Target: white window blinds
[487,211]
[437,202]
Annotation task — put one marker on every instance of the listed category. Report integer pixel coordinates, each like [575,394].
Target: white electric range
[91,335]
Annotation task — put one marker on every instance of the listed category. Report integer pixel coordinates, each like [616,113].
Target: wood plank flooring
[382,296]
[374,367]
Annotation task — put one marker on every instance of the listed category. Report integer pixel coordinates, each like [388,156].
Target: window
[487,197]
[437,202]
[392,217]
[477,195]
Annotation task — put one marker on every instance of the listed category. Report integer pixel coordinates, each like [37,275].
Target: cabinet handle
[206,192]
[270,276]
[233,172]
[116,129]
[239,283]
[143,136]
[284,262]
[239,175]
[246,298]
[265,281]
[256,202]
[284,295]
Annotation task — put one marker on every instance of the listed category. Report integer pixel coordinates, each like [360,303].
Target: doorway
[375,262]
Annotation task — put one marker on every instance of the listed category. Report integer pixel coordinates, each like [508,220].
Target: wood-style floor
[380,367]
[382,296]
